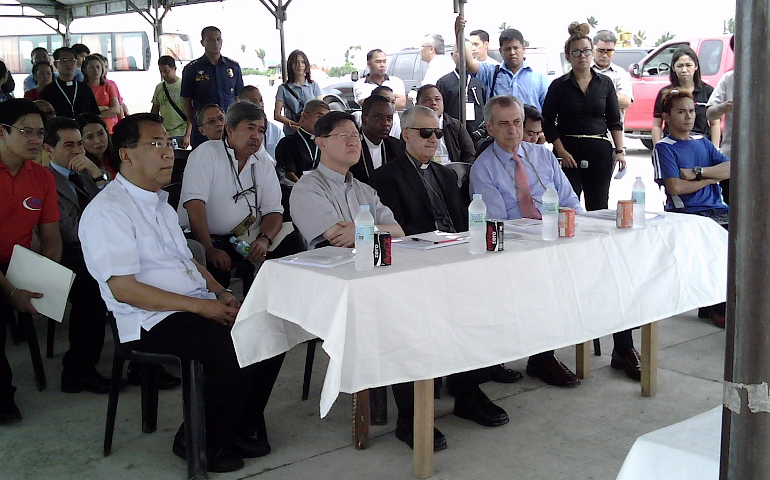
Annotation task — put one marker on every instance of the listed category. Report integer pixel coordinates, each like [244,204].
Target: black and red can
[382,248]
[495,234]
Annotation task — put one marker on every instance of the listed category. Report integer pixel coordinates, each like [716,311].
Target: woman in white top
[299,89]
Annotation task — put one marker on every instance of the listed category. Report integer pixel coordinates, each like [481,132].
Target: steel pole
[460,48]
[746,435]
[281,17]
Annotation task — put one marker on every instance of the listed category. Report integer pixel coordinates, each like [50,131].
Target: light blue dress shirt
[527,85]
[493,172]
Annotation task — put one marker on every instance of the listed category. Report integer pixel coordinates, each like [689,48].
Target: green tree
[639,38]
[664,38]
[243,48]
[731,25]
[349,55]
[592,21]
[261,54]
[618,29]
[504,26]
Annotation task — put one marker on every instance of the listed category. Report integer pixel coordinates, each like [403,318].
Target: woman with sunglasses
[685,75]
[96,142]
[585,105]
[291,97]
[106,95]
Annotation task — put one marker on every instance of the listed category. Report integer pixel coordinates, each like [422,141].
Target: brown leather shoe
[552,371]
[718,318]
[628,362]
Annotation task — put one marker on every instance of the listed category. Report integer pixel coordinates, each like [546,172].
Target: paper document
[31,271]
[325,257]
[431,240]
[529,226]
[611,215]
[286,228]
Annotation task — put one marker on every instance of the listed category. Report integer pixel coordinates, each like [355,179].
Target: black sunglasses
[427,132]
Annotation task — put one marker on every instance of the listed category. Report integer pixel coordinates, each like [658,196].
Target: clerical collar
[417,163]
[308,134]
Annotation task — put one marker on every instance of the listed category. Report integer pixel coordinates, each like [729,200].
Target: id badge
[470,112]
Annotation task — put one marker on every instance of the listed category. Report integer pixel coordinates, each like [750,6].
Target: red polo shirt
[26,200]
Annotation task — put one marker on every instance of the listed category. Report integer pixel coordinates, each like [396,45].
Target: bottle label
[364,233]
[550,208]
[477,219]
[638,197]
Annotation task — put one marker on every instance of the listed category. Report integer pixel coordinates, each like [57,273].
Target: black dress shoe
[9,412]
[628,361]
[166,381]
[250,447]
[89,380]
[501,374]
[405,433]
[220,460]
[478,407]
[552,371]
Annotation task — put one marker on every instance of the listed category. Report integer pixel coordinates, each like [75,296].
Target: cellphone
[621,173]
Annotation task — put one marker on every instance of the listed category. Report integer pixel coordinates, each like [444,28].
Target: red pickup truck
[651,74]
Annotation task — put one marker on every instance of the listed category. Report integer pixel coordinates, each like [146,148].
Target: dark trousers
[87,316]
[594,181]
[246,268]
[6,316]
[462,383]
[725,184]
[235,397]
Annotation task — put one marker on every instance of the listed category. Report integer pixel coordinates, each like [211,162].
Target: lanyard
[313,153]
[526,157]
[469,89]
[438,194]
[238,184]
[74,97]
[383,153]
[334,198]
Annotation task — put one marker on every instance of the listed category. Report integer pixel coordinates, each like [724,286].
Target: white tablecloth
[443,311]
[687,450]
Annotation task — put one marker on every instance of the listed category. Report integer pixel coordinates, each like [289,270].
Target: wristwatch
[620,150]
[698,172]
[102,177]
[266,236]
[223,291]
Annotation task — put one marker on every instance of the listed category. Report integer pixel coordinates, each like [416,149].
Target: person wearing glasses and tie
[511,175]
[230,190]
[604,49]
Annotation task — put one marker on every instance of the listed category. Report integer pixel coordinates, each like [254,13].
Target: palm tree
[504,26]
[618,29]
[639,38]
[592,21]
[261,54]
[243,48]
[731,25]
[664,38]
[349,52]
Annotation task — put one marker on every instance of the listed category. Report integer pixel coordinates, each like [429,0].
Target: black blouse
[569,111]
[701,96]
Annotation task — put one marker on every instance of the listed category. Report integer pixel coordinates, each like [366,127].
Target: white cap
[364,208]
[477,196]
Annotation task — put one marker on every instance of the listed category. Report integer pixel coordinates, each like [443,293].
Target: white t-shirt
[437,68]
[127,230]
[209,176]
[722,93]
[362,89]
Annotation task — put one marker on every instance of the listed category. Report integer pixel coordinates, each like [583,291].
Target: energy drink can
[382,248]
[495,234]
[624,216]
[566,222]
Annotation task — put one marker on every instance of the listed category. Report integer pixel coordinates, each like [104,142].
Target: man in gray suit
[77,180]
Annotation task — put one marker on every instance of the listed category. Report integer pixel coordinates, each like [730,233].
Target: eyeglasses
[28,132]
[586,52]
[427,132]
[66,60]
[157,144]
[345,136]
[607,51]
[212,121]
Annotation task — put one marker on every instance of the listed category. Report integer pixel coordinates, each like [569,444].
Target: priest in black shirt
[298,153]
[68,97]
[378,147]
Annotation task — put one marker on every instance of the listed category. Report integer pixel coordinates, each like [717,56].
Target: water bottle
[550,213]
[364,239]
[240,246]
[637,195]
[477,225]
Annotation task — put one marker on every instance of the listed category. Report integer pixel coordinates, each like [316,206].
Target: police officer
[209,79]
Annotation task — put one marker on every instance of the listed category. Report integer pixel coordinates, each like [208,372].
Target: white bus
[132,57]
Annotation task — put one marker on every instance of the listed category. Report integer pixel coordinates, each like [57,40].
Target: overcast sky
[324,29]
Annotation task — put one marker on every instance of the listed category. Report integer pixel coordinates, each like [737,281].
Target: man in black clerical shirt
[378,146]
[297,153]
[68,97]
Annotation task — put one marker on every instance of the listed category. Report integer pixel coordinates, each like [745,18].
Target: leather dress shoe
[250,447]
[718,318]
[220,460]
[166,381]
[553,372]
[628,362]
[405,433]
[478,407]
[501,374]
[90,380]
[9,412]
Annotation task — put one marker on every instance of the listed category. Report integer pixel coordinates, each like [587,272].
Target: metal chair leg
[25,320]
[308,367]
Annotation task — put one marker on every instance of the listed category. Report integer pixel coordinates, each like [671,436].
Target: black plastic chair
[463,171]
[192,399]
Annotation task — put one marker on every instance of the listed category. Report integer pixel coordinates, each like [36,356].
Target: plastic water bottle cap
[638,178]
[477,196]
[364,208]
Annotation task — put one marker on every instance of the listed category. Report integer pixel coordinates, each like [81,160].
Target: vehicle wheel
[336,106]
[647,143]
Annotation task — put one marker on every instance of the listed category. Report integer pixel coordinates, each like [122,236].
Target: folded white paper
[31,271]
